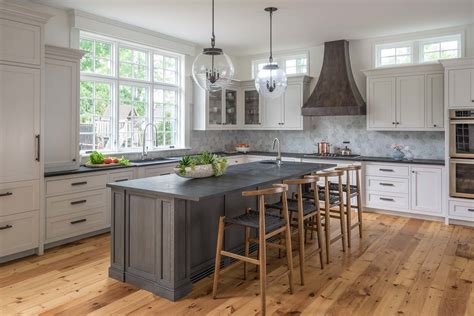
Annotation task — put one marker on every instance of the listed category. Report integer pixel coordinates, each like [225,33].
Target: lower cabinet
[406,188]
[19,232]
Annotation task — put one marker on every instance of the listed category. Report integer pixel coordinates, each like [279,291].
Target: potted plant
[201,166]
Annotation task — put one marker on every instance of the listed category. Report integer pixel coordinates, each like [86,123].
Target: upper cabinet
[459,82]
[239,106]
[61,117]
[405,98]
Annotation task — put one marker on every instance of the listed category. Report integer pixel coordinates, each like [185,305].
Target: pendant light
[212,69]
[271,81]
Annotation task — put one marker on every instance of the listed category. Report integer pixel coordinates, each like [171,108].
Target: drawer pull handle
[386,170]
[470,209]
[387,199]
[121,180]
[78,202]
[387,184]
[79,221]
[79,183]
[6,227]
[6,194]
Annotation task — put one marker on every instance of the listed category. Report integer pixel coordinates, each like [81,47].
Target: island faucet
[278,158]
[145,148]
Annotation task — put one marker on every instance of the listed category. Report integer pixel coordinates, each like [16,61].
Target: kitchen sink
[269,162]
[153,160]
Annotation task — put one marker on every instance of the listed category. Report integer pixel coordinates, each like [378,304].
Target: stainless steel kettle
[346,151]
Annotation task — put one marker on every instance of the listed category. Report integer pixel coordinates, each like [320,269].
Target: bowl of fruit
[242,148]
[98,160]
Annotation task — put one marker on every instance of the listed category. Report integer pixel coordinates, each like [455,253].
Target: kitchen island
[164,229]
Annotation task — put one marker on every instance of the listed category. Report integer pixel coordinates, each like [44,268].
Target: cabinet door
[293,99]
[61,115]
[19,123]
[252,111]
[273,109]
[230,107]
[411,102]
[215,108]
[20,42]
[381,103]
[459,90]
[435,101]
[426,189]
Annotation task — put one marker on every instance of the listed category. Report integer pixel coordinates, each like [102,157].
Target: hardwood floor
[401,267]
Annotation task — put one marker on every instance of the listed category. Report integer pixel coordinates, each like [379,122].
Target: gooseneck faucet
[145,148]
[278,159]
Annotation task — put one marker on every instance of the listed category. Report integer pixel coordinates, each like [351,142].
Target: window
[292,64]
[418,51]
[440,48]
[123,88]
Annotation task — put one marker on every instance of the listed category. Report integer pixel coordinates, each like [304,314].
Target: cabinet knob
[74,159]
[434,125]
[393,123]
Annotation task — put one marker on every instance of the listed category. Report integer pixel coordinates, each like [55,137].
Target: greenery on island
[219,164]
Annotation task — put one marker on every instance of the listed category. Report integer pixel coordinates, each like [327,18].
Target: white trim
[107,27]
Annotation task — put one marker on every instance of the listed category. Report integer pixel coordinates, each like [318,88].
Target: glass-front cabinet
[215,108]
[252,113]
[230,107]
[222,108]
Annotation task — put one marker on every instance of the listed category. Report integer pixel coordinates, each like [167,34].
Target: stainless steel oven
[461,182]
[461,142]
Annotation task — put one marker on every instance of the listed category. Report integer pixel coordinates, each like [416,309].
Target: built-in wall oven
[461,151]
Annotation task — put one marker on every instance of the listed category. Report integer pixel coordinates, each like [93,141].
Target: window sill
[134,152]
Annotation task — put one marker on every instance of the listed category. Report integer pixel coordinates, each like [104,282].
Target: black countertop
[237,178]
[174,160]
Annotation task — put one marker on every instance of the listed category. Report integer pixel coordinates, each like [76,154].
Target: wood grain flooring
[401,267]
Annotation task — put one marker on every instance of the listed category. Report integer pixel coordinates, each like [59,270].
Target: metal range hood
[336,92]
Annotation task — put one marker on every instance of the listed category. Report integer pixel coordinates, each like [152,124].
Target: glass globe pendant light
[271,81]
[212,69]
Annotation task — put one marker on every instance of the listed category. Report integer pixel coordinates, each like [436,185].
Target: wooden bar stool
[268,226]
[306,211]
[329,200]
[351,191]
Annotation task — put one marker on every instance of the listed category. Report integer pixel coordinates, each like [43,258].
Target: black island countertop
[237,178]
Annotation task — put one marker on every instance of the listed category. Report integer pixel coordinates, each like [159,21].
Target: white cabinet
[240,107]
[18,232]
[20,95]
[435,101]
[62,108]
[426,189]
[460,92]
[405,98]
[381,103]
[20,42]
[410,102]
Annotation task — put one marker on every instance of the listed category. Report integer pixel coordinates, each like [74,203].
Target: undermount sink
[151,160]
[269,162]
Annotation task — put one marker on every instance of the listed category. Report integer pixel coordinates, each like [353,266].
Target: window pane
[449,54]
[431,56]
[133,104]
[158,61]
[170,76]
[387,60]
[170,63]
[403,59]
[403,50]
[103,50]
[96,128]
[385,52]
[125,55]
[133,64]
[125,70]
[431,47]
[301,61]
[291,63]
[290,70]
[102,66]
[449,45]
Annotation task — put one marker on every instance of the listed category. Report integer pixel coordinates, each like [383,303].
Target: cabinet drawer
[20,42]
[463,210]
[386,170]
[61,227]
[78,184]
[19,232]
[387,201]
[390,185]
[120,176]
[75,202]
[19,197]
[158,171]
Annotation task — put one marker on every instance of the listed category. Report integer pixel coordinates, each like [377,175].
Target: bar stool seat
[308,206]
[251,219]
[335,187]
[334,199]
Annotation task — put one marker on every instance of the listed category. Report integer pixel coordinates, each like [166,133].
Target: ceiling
[242,25]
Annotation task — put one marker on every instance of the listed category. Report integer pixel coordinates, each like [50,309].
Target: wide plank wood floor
[401,267]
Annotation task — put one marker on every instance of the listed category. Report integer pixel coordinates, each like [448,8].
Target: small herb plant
[219,164]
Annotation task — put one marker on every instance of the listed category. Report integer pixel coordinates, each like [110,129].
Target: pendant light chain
[271,36]
[213,38]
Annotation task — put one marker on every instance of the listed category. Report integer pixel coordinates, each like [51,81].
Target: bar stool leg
[327,225]
[263,255]
[217,266]
[301,241]
[359,204]
[289,255]
[349,218]
[246,250]
[318,235]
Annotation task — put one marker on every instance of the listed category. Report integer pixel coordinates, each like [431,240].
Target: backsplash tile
[336,129]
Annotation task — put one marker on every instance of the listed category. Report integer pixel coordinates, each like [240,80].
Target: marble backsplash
[424,145]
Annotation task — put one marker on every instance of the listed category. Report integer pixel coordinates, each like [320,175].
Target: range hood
[336,92]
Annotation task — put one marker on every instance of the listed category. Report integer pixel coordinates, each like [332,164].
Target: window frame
[380,47]
[439,39]
[116,81]
[280,60]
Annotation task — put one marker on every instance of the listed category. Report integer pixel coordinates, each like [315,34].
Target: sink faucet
[278,159]
[145,148]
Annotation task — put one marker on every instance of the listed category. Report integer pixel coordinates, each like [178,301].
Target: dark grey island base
[164,229]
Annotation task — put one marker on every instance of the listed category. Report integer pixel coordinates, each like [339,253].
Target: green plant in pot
[201,166]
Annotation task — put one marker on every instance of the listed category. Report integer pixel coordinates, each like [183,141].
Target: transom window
[418,51]
[292,64]
[124,87]
[296,66]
